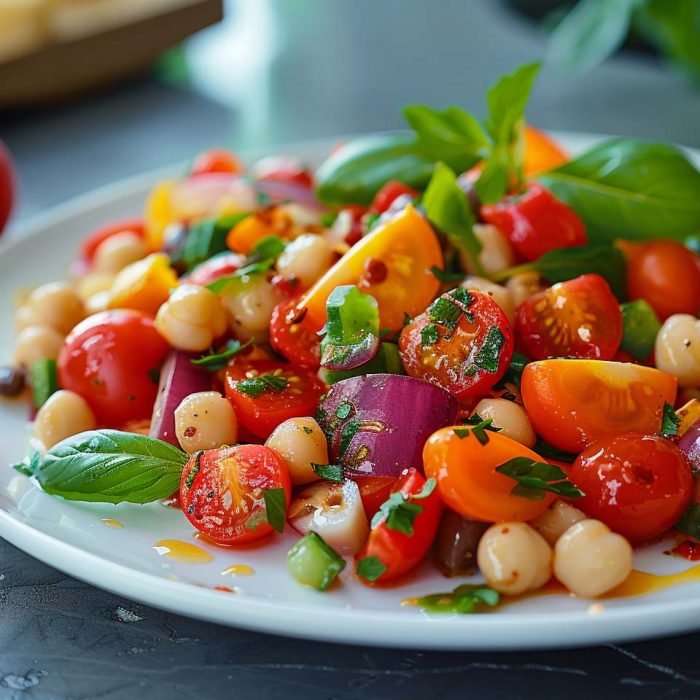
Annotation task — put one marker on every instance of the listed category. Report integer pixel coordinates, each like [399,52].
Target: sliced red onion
[690,444]
[178,378]
[377,424]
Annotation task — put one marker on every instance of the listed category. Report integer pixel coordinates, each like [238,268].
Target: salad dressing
[111,522]
[185,552]
[238,570]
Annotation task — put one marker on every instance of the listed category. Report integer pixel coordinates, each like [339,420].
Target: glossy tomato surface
[578,318]
[215,268]
[7,185]
[295,341]
[112,360]
[638,485]
[216,160]
[282,169]
[222,491]
[387,194]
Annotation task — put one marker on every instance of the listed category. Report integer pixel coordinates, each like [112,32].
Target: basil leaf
[231,284]
[463,600]
[204,240]
[370,568]
[257,386]
[689,522]
[630,189]
[269,247]
[109,466]
[219,360]
[640,326]
[275,508]
[330,472]
[534,478]
[669,422]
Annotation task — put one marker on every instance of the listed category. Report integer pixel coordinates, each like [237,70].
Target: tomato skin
[449,362]
[295,341]
[7,185]
[465,471]
[387,194]
[281,169]
[535,222]
[109,359]
[374,490]
[571,403]
[578,318]
[226,491]
[92,242]
[638,485]
[654,270]
[398,551]
[215,268]
[262,414]
[542,153]
[216,160]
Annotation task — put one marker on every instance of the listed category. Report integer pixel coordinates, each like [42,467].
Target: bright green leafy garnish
[446,276]
[219,360]
[370,568]
[479,426]
[640,326]
[429,335]
[464,599]
[269,247]
[399,512]
[534,478]
[514,373]
[330,472]
[275,508]
[204,240]
[488,356]
[669,422]
[256,386]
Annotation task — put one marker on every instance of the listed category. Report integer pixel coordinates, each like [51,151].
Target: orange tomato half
[541,153]
[573,402]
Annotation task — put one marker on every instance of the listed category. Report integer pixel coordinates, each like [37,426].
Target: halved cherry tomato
[112,360]
[465,471]
[216,160]
[92,242]
[281,169]
[388,193]
[295,341]
[665,274]
[463,343]
[638,485]
[215,268]
[571,403]
[536,222]
[577,318]
[541,152]
[295,393]
[222,491]
[392,263]
[396,550]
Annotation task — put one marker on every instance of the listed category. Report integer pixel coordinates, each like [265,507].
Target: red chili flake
[190,432]
[375,271]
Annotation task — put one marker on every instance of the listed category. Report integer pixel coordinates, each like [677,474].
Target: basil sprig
[108,466]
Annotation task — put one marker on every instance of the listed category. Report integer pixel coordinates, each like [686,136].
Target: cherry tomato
[215,268]
[577,318]
[396,550]
[281,169]
[571,403]
[541,153]
[112,360]
[638,485]
[387,194]
[665,274]
[216,160]
[374,490]
[295,341]
[392,263]
[293,392]
[536,222]
[465,471]
[93,241]
[222,491]
[463,343]
[7,185]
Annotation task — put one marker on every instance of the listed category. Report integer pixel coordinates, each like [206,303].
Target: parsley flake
[370,568]
[275,508]
[219,360]
[397,513]
[256,386]
[429,335]
[490,352]
[330,472]
[670,422]
[534,478]
[480,426]
[464,599]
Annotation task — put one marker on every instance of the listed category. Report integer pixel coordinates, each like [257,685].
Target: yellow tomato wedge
[541,153]
[143,285]
[392,263]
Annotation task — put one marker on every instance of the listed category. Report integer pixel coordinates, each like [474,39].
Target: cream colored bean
[98,302]
[556,520]
[118,251]
[523,285]
[57,305]
[500,294]
[250,310]
[590,560]
[37,343]
[64,414]
[302,216]
[94,283]
[678,349]
[510,417]
[191,318]
[26,316]
[204,421]
[514,558]
[301,443]
[496,252]
[306,258]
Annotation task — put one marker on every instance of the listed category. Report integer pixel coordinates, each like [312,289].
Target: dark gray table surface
[306,69]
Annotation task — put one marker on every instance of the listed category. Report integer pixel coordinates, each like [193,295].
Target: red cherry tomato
[112,359]
[222,491]
[536,222]
[578,318]
[295,341]
[93,241]
[7,185]
[215,268]
[638,485]
[216,160]
[280,169]
[263,406]
[374,490]
[387,194]
[463,343]
[395,551]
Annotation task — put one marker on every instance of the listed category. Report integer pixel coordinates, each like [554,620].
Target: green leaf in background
[625,188]
[109,466]
[205,239]
[689,522]
[640,326]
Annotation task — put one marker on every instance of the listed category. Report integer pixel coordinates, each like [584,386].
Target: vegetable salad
[453,342]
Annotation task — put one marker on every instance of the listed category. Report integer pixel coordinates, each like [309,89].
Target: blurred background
[92,91]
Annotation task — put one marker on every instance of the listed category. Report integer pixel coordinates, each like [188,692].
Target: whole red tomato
[7,185]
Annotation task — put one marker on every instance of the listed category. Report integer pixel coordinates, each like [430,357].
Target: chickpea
[191,318]
[205,420]
[37,343]
[556,520]
[57,305]
[250,309]
[510,417]
[301,443]
[94,283]
[678,349]
[118,251]
[523,285]
[496,252]
[65,413]
[302,216]
[305,258]
[590,560]
[98,302]
[500,294]
[26,316]
[514,558]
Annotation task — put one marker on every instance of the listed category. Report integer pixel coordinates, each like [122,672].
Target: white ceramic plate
[128,561]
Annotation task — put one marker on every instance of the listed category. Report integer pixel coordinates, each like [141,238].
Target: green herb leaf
[330,472]
[109,466]
[275,508]
[428,488]
[461,433]
[231,284]
[464,599]
[397,513]
[429,335]
[544,449]
[640,326]
[219,360]
[534,478]
[689,522]
[514,373]
[370,568]
[256,386]
[480,426]
[205,239]
[489,354]
[446,276]
[43,378]
[669,422]
[269,247]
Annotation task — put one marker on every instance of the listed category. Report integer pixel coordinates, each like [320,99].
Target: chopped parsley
[275,508]
[446,276]
[490,352]
[464,599]
[399,513]
[330,472]
[429,335]
[534,478]
[689,522]
[669,422]
[370,568]
[344,410]
[445,313]
[480,426]
[219,360]
[307,430]
[256,386]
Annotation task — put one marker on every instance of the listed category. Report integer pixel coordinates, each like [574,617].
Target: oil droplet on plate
[238,570]
[183,551]
[111,522]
